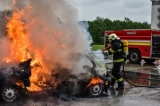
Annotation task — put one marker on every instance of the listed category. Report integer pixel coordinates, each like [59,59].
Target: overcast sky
[136,10]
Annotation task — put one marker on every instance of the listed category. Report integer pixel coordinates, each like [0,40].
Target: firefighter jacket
[117,50]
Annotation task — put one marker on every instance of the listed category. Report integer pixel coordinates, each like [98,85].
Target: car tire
[8,92]
[95,90]
[134,56]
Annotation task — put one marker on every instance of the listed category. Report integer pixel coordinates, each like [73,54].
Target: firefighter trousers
[116,76]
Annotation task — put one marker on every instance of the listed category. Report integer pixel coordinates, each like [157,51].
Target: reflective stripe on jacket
[117,51]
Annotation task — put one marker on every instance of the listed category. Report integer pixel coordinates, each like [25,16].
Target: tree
[99,25]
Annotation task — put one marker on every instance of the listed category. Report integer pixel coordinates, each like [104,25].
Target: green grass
[96,47]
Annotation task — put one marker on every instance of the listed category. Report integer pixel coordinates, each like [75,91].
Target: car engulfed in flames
[30,75]
[18,81]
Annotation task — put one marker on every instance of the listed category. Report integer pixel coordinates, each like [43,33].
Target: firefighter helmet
[113,37]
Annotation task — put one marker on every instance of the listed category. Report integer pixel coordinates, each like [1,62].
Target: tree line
[99,25]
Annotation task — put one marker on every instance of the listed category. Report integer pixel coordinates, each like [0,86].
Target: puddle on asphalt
[137,96]
[144,77]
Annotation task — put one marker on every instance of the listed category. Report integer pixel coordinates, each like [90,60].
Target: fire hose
[125,77]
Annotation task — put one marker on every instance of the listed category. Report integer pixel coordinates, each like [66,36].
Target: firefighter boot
[120,86]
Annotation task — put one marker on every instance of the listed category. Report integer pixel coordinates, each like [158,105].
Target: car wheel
[8,93]
[134,56]
[95,90]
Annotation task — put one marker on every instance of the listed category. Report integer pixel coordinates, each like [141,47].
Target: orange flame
[18,36]
[94,81]
[16,30]
[21,46]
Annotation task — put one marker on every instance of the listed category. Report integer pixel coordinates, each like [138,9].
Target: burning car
[93,82]
[13,85]
[23,40]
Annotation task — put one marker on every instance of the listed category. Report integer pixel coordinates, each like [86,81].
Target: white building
[155,15]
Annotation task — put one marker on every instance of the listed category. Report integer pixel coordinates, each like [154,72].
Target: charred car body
[93,82]
[14,84]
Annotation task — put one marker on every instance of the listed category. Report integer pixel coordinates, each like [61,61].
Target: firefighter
[118,58]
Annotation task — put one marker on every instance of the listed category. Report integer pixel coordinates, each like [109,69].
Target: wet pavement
[130,97]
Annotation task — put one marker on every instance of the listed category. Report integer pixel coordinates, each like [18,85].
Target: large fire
[44,32]
[16,30]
